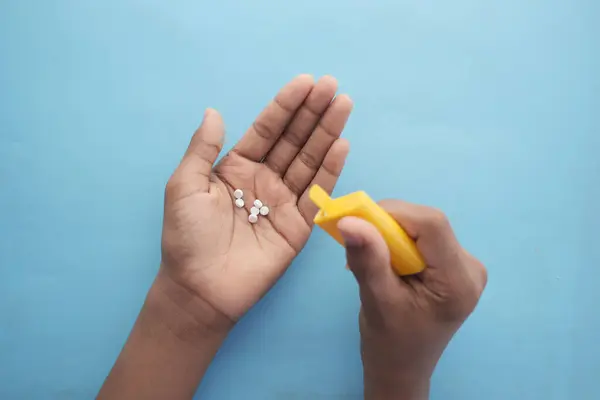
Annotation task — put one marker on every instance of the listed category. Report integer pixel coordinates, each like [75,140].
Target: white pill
[238,194]
[254,211]
[264,210]
[239,203]
[253,218]
[258,203]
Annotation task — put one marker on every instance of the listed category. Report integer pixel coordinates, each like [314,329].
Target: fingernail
[351,240]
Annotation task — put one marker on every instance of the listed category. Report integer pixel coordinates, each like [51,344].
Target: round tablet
[258,203]
[252,218]
[238,193]
[264,210]
[254,211]
[239,203]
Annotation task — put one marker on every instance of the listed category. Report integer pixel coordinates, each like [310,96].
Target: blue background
[486,109]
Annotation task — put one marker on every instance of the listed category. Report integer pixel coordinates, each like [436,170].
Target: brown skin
[208,245]
[406,323]
[216,265]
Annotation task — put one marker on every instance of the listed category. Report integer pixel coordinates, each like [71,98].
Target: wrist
[383,386]
[389,374]
[183,313]
[170,347]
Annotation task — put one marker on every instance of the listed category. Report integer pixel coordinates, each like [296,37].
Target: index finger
[430,229]
[270,124]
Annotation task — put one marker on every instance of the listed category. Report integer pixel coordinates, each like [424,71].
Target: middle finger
[302,125]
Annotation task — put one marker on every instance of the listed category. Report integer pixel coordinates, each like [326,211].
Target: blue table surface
[487,110]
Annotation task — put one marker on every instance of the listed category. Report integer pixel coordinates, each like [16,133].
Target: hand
[208,245]
[406,323]
[216,264]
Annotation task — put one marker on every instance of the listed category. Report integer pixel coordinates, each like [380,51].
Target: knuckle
[263,130]
[283,106]
[294,138]
[462,293]
[482,273]
[477,271]
[387,203]
[310,113]
[172,187]
[396,208]
[309,160]
[463,303]
[328,131]
[277,163]
[436,219]
[472,294]
[208,151]
[293,185]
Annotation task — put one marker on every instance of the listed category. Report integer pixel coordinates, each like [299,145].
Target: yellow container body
[406,259]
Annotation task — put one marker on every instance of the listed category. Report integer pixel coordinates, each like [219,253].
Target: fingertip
[366,251]
[350,229]
[352,223]
[360,232]
[211,130]
[321,95]
[345,101]
[328,81]
[304,79]
[211,115]
[341,145]
[291,96]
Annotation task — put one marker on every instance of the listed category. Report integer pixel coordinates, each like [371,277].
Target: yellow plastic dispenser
[406,259]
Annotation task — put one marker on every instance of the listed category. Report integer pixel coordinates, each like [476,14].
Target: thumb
[367,254]
[204,148]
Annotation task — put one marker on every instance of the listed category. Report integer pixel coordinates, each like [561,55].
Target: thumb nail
[351,239]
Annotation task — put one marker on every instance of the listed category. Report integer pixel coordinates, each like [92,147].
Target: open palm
[208,244]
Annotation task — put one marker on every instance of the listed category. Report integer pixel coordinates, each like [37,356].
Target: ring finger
[303,124]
